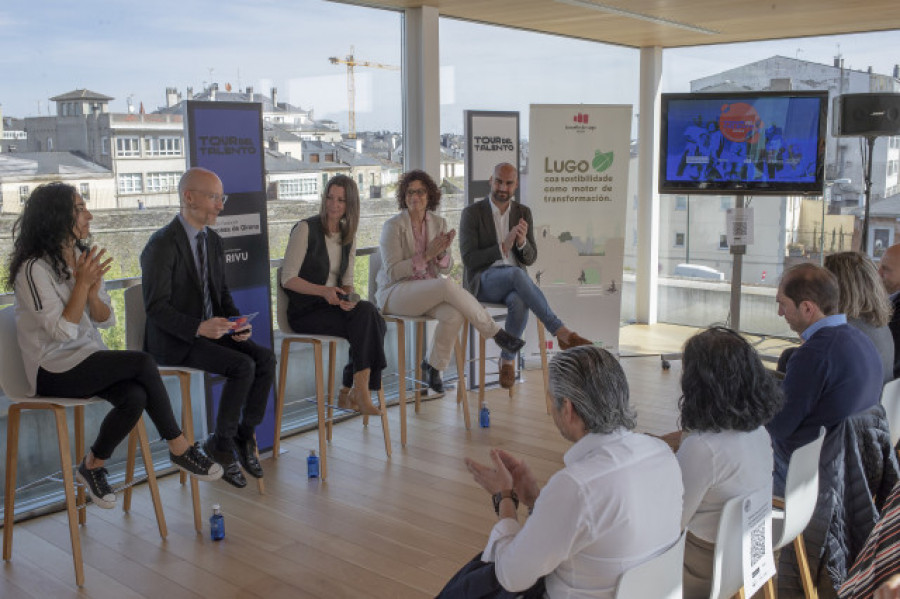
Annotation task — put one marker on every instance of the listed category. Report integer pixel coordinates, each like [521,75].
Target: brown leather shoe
[507,375]
[574,341]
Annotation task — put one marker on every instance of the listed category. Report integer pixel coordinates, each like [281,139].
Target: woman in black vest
[318,278]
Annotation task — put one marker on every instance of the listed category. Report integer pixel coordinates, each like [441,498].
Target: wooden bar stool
[482,353]
[14,384]
[323,401]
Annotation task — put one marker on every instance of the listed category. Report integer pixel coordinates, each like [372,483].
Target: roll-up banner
[577,192]
[226,138]
[492,137]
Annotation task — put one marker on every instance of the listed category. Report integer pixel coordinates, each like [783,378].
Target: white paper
[739,224]
[756,524]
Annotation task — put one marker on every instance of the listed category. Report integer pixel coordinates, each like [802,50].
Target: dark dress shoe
[232,475]
[246,451]
[508,342]
[432,377]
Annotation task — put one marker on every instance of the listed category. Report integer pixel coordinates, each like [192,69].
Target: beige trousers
[448,303]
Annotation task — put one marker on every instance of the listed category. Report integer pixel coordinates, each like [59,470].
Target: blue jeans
[511,285]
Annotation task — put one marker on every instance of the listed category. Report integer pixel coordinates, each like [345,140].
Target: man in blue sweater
[834,374]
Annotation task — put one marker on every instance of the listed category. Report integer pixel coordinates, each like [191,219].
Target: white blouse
[48,340]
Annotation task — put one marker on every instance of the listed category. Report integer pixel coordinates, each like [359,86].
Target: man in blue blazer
[188,321]
[496,241]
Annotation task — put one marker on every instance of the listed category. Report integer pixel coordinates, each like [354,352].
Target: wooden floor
[379,527]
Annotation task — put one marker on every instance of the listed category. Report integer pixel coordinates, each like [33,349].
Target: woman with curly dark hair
[725,452]
[415,257]
[61,302]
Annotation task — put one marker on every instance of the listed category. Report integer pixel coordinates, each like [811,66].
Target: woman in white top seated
[61,302]
[318,279]
[415,254]
[725,451]
[615,504]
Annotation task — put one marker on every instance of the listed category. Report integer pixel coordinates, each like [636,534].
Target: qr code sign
[757,543]
[740,227]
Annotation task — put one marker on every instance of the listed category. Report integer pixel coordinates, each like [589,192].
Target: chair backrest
[801,490]
[12,369]
[890,400]
[728,564]
[281,304]
[135,317]
[659,578]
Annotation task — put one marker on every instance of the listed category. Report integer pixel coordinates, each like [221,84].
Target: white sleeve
[38,296]
[549,536]
[696,461]
[295,252]
[104,297]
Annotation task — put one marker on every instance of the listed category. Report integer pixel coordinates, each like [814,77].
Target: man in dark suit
[188,321]
[496,241]
[889,269]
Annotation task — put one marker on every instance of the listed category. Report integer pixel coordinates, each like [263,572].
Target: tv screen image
[753,143]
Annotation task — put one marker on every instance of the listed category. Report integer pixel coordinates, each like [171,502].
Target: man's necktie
[204,275]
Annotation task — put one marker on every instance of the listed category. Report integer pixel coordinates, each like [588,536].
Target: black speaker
[866,115]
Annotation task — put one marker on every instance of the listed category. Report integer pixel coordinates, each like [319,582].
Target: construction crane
[351,62]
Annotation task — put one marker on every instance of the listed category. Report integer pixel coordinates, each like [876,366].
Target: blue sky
[132,49]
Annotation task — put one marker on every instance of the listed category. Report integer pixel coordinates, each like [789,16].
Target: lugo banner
[578,190]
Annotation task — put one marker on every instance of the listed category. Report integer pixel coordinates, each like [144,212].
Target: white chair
[419,321]
[322,401]
[890,400]
[14,385]
[728,565]
[659,578]
[791,515]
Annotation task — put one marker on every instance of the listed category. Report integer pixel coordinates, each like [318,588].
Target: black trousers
[129,381]
[478,580]
[363,326]
[249,369]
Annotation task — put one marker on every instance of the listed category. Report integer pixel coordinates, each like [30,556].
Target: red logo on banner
[581,118]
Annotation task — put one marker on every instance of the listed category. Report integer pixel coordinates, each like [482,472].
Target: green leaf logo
[602,161]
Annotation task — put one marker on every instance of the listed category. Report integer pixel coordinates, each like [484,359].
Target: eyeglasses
[215,197]
[421,192]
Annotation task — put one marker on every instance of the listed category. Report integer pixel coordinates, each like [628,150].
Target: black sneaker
[97,486]
[432,377]
[194,462]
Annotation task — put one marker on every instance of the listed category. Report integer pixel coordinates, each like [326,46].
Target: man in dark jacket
[835,373]
[188,308]
[496,242]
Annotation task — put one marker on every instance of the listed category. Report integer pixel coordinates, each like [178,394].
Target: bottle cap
[312,452]
[216,507]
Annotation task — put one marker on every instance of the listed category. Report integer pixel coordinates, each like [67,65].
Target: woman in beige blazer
[415,258]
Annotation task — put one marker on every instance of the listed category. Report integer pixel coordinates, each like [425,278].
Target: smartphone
[241,322]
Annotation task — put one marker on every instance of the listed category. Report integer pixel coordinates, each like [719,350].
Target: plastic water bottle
[217,524]
[312,464]
[484,417]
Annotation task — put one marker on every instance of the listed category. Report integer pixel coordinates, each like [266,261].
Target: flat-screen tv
[756,143]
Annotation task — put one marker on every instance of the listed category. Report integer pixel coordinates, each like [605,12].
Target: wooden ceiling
[706,21]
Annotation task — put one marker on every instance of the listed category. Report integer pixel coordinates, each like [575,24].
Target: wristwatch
[500,496]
